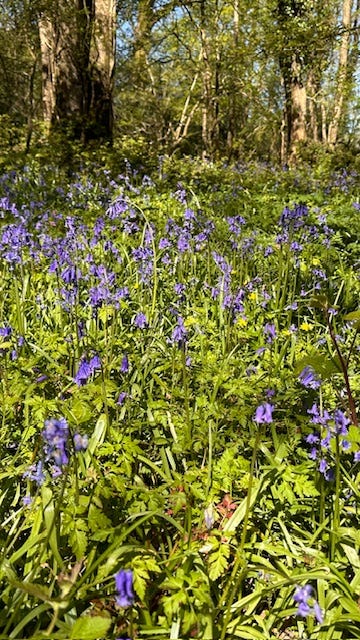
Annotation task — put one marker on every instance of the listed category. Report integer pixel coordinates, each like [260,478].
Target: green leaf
[218,561]
[78,539]
[97,438]
[325,367]
[94,628]
[50,524]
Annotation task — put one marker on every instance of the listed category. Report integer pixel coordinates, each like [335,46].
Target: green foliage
[218,515]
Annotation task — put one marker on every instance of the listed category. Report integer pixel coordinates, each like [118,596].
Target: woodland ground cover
[180,452]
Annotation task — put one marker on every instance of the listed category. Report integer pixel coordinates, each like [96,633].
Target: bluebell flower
[55,436]
[179,334]
[124,588]
[341,422]
[309,378]
[307,605]
[80,442]
[179,289]
[269,332]
[122,397]
[263,413]
[209,516]
[140,321]
[86,369]
[36,473]
[164,243]
[124,364]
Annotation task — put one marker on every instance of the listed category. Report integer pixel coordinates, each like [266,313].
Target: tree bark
[77,42]
[291,61]
[341,88]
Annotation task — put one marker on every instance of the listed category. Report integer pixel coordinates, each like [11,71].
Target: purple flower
[209,517]
[55,437]
[309,378]
[86,369]
[341,422]
[323,465]
[318,613]
[124,364]
[270,332]
[140,321]
[178,336]
[80,442]
[305,608]
[36,473]
[179,289]
[124,588]
[122,397]
[164,243]
[263,413]
[41,378]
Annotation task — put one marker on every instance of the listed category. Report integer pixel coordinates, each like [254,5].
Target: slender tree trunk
[102,63]
[233,128]
[342,78]
[312,90]
[145,23]
[295,106]
[210,71]
[298,110]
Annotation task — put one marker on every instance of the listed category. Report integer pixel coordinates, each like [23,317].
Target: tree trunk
[291,61]
[232,126]
[341,86]
[210,71]
[298,111]
[77,42]
[102,63]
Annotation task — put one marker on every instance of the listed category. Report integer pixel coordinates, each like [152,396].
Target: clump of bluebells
[56,450]
[330,427]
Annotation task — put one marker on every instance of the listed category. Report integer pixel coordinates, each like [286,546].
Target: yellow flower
[241,322]
[305,326]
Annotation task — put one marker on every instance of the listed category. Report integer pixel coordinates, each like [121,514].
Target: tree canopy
[214,78]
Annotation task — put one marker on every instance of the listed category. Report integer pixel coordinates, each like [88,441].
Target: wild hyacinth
[55,436]
[124,588]
[86,369]
[306,603]
[309,378]
[56,451]
[140,321]
[124,368]
[331,427]
[270,332]
[263,414]
[179,334]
